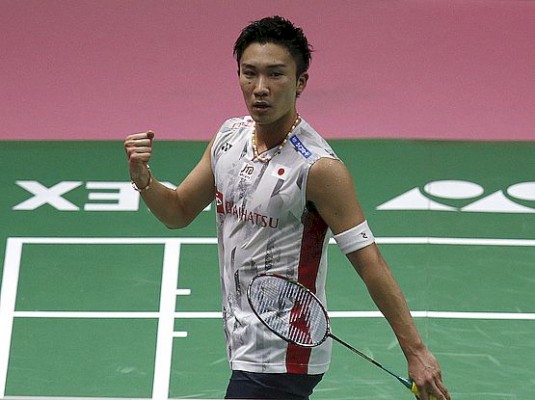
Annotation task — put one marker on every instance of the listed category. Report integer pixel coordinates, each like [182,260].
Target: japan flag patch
[280,171]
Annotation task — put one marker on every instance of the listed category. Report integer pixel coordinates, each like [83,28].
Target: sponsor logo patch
[300,147]
[246,171]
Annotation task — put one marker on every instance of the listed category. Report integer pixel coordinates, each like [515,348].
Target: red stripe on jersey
[314,232]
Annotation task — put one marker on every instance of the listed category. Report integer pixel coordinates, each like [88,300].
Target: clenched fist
[138,149]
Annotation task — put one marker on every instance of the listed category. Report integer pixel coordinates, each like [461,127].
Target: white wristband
[355,238]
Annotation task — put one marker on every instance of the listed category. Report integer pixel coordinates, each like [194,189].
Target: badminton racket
[296,315]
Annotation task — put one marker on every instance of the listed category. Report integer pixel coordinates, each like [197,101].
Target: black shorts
[252,385]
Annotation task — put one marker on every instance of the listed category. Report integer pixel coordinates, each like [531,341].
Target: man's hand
[425,372]
[138,149]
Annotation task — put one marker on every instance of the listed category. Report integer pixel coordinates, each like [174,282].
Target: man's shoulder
[232,132]
[310,144]
[232,127]
[237,123]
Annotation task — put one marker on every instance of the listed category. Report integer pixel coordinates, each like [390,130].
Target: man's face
[269,84]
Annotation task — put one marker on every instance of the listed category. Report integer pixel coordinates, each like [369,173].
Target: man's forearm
[387,295]
[163,202]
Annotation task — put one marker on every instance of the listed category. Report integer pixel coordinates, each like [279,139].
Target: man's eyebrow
[269,66]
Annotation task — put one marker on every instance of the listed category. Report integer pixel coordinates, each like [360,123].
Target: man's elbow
[176,224]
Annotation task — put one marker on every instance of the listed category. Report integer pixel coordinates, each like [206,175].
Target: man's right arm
[175,208]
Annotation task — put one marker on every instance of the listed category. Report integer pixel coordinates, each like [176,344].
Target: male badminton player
[279,190]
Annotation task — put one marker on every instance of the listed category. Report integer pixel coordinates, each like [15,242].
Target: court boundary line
[76,398]
[168,294]
[212,240]
[482,315]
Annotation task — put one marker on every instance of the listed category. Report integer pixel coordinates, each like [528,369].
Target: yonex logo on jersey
[225,147]
[300,147]
[465,196]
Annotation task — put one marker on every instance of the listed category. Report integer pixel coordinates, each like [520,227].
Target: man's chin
[262,116]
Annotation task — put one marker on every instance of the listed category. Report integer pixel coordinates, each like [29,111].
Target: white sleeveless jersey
[265,225]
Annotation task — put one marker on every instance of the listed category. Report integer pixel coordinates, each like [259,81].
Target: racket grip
[416,392]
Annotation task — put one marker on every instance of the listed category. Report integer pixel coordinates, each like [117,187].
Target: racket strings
[289,310]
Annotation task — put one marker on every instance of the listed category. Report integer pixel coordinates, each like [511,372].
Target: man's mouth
[261,105]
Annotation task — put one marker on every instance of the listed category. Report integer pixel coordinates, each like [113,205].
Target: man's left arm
[330,187]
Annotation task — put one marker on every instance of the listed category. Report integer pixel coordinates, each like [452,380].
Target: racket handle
[416,392]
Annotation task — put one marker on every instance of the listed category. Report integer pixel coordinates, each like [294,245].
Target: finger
[418,392]
[438,388]
[140,136]
[436,392]
[427,391]
[142,146]
[138,146]
[442,392]
[136,136]
[138,154]
[422,394]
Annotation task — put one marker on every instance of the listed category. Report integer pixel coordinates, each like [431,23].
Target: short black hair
[279,31]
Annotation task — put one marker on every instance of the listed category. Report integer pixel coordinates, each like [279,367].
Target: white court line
[76,398]
[218,315]
[457,241]
[439,315]
[212,240]
[166,322]
[114,240]
[8,296]
[88,314]
[377,314]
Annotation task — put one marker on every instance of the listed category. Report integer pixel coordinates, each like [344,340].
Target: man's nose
[261,87]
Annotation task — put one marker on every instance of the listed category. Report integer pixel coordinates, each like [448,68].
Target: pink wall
[100,69]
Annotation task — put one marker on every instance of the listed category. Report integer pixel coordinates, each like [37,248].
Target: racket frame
[301,287]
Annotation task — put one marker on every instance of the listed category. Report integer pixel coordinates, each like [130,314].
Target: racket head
[288,309]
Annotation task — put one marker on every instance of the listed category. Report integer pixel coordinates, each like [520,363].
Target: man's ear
[301,83]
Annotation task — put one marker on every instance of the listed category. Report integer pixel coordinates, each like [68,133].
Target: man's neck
[271,135]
